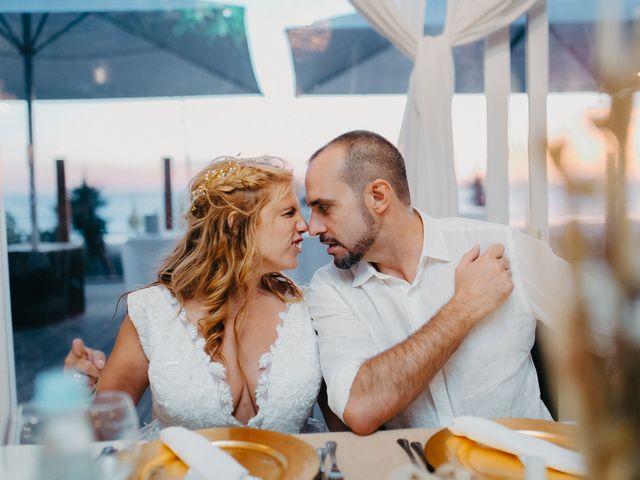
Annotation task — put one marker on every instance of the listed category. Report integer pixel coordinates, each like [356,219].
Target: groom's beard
[361,247]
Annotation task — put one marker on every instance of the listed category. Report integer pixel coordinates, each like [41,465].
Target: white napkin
[204,459]
[502,438]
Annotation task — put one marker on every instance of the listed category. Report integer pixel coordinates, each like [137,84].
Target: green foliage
[49,235]
[13,234]
[85,202]
[212,22]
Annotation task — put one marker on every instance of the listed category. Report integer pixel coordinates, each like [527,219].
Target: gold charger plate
[489,463]
[266,454]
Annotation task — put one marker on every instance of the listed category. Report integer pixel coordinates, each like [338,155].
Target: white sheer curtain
[426,134]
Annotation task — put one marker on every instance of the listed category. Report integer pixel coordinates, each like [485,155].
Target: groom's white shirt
[360,312]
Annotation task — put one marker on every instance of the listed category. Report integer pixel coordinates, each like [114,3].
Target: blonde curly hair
[217,257]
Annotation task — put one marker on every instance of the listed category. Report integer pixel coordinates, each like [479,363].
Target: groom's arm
[382,385]
[389,382]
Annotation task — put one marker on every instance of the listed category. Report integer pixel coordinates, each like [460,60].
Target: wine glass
[114,420]
[29,432]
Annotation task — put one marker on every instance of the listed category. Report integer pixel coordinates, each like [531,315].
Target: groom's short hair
[369,156]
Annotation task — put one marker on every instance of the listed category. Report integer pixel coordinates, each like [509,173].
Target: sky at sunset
[119,144]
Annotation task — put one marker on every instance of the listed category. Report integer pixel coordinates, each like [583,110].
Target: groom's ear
[378,195]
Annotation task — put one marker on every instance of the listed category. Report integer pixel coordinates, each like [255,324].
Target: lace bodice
[191,390]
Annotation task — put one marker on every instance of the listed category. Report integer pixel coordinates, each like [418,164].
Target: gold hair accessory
[212,175]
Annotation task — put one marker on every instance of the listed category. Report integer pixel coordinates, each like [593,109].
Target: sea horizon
[120,205]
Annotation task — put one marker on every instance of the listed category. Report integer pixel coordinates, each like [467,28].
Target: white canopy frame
[497,89]
[426,135]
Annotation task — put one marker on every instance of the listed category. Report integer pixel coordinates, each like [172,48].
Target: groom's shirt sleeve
[345,343]
[549,283]
[547,280]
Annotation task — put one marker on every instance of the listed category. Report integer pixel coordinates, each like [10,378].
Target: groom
[420,319]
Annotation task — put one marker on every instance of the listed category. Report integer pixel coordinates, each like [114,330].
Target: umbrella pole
[28,76]
[168,211]
[62,209]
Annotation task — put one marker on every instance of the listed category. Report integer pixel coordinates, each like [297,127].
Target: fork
[334,473]
[417,447]
[404,443]
[322,454]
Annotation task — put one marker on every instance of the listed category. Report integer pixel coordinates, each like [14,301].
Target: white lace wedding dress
[190,390]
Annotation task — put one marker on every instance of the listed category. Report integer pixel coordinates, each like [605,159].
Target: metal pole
[168,213]
[27,55]
[62,208]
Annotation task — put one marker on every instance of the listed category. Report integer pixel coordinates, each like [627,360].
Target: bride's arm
[127,367]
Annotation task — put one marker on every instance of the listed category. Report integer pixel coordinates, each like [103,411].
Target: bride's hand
[86,361]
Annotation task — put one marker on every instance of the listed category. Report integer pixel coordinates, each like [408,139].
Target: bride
[221,337]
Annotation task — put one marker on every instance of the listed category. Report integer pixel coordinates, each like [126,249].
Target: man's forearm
[389,382]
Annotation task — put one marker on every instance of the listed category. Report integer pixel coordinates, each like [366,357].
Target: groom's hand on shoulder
[482,281]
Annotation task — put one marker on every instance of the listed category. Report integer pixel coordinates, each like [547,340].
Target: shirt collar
[433,246]
[362,272]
